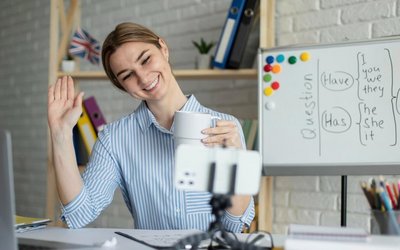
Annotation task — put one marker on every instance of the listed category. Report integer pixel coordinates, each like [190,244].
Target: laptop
[8,239]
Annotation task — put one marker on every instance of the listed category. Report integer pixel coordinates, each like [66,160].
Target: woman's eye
[127,76]
[146,60]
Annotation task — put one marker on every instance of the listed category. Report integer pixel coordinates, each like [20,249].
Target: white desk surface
[95,237]
[92,237]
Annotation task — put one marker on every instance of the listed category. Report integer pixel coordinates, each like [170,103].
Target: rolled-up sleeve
[100,179]
[234,223]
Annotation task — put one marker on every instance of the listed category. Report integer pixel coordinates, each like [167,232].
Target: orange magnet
[276,68]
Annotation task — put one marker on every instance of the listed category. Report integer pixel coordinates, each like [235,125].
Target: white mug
[188,127]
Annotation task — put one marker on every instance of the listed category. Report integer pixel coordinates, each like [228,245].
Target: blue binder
[228,33]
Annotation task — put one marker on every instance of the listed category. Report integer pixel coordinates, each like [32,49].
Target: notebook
[8,237]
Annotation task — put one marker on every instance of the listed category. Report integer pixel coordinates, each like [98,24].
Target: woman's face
[142,69]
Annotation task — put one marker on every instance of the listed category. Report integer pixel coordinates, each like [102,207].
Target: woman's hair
[123,33]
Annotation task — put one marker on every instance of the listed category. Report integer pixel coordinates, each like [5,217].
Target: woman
[136,152]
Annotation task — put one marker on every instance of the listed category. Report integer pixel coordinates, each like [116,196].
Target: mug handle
[213,118]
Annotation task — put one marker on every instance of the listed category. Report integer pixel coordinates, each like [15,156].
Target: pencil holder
[387,222]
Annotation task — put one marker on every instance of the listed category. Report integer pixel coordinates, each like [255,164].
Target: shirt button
[178,210]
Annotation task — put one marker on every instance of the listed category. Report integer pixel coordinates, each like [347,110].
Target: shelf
[191,74]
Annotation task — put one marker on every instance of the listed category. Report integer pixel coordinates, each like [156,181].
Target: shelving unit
[61,22]
[189,74]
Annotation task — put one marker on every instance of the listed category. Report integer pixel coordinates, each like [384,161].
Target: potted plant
[68,63]
[203,60]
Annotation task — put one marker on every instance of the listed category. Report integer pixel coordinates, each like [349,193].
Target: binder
[243,34]
[228,33]
[79,146]
[86,130]
[95,114]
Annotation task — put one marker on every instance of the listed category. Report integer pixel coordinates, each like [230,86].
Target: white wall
[24,43]
[316,199]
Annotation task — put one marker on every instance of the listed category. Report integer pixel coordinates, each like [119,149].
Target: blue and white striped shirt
[136,154]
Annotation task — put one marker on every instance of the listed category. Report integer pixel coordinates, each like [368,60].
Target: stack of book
[235,34]
[23,224]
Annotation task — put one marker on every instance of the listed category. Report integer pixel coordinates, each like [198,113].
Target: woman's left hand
[225,132]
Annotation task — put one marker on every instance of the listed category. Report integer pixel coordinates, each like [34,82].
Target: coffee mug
[188,127]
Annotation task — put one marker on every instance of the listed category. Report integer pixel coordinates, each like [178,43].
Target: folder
[94,113]
[228,33]
[243,34]
[87,131]
[80,150]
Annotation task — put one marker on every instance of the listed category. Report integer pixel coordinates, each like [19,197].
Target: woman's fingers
[225,133]
[57,90]
[64,88]
[71,89]
[50,94]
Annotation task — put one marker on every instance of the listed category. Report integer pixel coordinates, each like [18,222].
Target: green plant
[203,47]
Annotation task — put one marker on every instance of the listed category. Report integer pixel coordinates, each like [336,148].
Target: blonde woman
[136,152]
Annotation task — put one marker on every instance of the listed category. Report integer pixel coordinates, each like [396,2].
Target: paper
[302,244]
[327,233]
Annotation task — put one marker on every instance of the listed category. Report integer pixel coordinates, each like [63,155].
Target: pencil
[368,194]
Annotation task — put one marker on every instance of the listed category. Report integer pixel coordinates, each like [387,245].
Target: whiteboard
[330,109]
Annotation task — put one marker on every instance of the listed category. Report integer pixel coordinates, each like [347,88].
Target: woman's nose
[142,76]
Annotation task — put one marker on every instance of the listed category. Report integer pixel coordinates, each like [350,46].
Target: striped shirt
[136,154]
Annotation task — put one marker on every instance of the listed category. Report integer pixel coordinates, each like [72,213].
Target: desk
[95,237]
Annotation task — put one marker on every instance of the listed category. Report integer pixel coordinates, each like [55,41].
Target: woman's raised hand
[64,108]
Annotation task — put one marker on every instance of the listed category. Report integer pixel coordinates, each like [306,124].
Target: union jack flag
[85,46]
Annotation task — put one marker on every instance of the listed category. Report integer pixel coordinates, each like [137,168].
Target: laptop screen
[7,210]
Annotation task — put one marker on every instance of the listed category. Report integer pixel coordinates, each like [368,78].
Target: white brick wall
[24,30]
[316,200]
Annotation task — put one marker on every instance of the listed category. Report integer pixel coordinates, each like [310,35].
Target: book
[95,115]
[246,129]
[243,34]
[86,131]
[252,134]
[228,34]
[23,223]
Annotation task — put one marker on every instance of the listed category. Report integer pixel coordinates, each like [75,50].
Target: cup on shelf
[385,222]
[67,65]
[188,126]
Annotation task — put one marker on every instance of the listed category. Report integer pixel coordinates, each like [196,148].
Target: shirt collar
[146,118]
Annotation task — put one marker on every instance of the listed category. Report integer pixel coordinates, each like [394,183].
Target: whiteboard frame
[317,169]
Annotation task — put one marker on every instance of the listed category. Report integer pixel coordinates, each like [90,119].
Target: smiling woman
[136,153]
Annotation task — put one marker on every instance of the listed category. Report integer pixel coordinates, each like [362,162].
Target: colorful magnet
[305,56]
[267,77]
[275,85]
[280,58]
[292,60]
[267,67]
[276,68]
[268,91]
[270,59]
[270,105]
